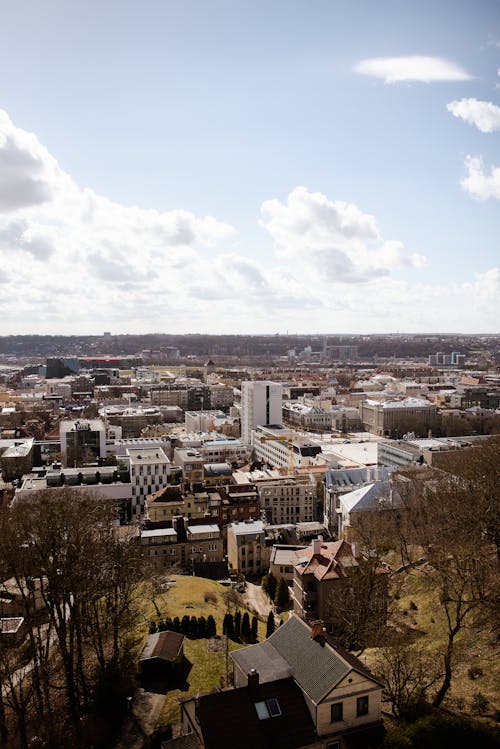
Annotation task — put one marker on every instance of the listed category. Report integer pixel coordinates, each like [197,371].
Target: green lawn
[186,596]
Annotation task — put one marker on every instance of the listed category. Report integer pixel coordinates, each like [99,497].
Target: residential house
[342,695]
[326,573]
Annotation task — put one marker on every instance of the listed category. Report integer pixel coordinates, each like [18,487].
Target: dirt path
[256,599]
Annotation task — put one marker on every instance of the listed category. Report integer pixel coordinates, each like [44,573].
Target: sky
[241,166]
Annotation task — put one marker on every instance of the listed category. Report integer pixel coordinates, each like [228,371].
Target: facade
[82,441]
[283,560]
[280,448]
[284,499]
[191,461]
[313,418]
[327,571]
[391,418]
[149,471]
[339,481]
[182,545]
[261,404]
[342,696]
[171,502]
[246,547]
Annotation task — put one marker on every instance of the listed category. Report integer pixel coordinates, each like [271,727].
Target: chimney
[318,632]
[316,545]
[253,682]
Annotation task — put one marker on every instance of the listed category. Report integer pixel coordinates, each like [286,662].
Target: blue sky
[249,166]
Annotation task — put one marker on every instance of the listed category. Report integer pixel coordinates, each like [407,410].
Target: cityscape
[249,374]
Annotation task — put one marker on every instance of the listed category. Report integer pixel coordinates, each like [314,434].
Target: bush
[270,624]
[441,731]
[210,597]
[211,629]
[474,672]
[480,703]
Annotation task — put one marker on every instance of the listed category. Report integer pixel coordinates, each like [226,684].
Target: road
[256,600]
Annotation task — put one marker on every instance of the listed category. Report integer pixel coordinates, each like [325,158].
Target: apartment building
[149,471]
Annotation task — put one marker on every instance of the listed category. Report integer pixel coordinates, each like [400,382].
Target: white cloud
[479,184]
[333,238]
[412,68]
[483,114]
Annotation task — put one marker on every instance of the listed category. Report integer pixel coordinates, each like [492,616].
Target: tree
[407,673]
[254,629]
[245,627]
[202,627]
[282,595]
[270,624]
[228,626]
[185,625]
[193,628]
[61,548]
[211,630]
[237,625]
[442,521]
[269,584]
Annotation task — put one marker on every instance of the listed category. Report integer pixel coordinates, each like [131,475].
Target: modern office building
[261,404]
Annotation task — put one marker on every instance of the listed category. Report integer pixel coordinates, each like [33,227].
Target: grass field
[186,595]
[473,648]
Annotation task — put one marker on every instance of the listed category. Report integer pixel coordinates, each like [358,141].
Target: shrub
[474,672]
[479,703]
[210,597]
[211,629]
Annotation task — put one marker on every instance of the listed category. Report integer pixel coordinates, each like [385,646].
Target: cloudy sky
[249,166]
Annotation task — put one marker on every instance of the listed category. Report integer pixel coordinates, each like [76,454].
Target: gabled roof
[329,562]
[164,645]
[316,665]
[230,719]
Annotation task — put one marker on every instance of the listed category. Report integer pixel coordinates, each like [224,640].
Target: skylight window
[268,709]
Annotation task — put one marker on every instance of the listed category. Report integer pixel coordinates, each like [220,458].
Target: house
[246,547]
[378,495]
[329,572]
[270,715]
[162,653]
[342,696]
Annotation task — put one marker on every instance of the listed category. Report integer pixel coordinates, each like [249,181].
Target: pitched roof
[230,719]
[165,645]
[329,562]
[316,665]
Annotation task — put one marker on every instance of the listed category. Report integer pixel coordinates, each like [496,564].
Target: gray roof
[316,666]
[265,659]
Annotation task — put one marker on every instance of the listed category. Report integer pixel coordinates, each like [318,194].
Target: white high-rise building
[261,404]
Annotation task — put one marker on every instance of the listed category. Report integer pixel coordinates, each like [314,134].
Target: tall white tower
[261,404]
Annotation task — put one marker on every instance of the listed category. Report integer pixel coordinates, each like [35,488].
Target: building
[377,496]
[171,501]
[325,573]
[283,560]
[340,481]
[281,448]
[271,715]
[283,499]
[261,404]
[82,441]
[342,696]
[312,418]
[16,457]
[182,544]
[395,417]
[149,472]
[104,483]
[246,547]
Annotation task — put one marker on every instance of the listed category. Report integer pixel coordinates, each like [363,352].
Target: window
[362,706]
[268,709]
[336,712]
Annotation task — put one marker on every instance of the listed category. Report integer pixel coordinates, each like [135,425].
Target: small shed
[161,655]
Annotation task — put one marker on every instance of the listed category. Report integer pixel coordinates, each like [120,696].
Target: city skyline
[250,168]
